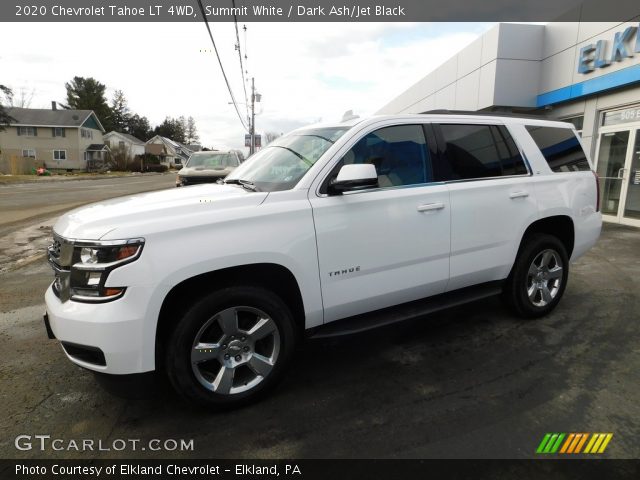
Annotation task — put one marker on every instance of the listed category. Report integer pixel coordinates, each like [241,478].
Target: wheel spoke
[264,327]
[228,321]
[224,380]
[260,365]
[546,295]
[533,269]
[555,272]
[531,291]
[204,351]
[546,259]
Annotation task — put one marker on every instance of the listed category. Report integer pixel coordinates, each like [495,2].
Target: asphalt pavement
[471,382]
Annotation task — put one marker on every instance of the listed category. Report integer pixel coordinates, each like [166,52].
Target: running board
[406,311]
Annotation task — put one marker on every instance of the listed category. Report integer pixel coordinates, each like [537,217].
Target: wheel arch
[271,276]
[560,226]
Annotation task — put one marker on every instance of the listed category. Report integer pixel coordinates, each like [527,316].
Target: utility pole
[252,147]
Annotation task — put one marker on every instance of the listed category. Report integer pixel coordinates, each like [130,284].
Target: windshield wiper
[304,159]
[246,184]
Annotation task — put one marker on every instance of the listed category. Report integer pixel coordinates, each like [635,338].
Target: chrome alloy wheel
[544,278]
[235,350]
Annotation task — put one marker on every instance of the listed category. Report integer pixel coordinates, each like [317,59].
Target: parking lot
[470,382]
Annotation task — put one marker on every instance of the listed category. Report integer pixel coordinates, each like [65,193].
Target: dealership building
[586,73]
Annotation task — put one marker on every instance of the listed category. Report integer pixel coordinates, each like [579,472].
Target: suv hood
[142,213]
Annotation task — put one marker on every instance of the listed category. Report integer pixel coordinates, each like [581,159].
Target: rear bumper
[113,329]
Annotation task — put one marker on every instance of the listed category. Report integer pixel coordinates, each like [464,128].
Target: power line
[215,49]
[239,48]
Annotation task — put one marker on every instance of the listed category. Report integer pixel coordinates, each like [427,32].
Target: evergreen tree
[5,118]
[191,132]
[89,94]
[120,114]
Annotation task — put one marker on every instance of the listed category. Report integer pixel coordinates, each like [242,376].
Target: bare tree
[270,137]
[23,99]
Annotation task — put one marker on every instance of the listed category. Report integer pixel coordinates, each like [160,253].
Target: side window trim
[322,187]
[443,157]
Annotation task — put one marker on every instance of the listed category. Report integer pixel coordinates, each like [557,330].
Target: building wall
[44,143]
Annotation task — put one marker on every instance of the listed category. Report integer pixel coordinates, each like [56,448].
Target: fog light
[94,278]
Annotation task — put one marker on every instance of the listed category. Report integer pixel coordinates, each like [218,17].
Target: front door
[389,245]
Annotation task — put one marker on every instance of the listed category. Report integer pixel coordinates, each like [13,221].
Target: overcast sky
[306,72]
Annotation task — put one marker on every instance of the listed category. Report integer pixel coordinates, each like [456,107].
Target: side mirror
[354,177]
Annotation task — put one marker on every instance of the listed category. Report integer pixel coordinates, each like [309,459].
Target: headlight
[92,263]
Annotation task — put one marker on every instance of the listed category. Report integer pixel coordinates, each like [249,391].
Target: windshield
[212,160]
[282,163]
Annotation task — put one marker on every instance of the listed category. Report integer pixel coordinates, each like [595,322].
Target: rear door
[383,246]
[492,199]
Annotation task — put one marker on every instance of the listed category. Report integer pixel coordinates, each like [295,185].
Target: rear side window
[477,151]
[560,148]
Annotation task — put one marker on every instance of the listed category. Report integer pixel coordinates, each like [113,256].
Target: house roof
[42,117]
[131,138]
[96,147]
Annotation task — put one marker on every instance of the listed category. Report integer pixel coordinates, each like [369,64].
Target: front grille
[60,256]
[198,180]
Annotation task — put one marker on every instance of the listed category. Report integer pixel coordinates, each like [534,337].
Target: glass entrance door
[632,194]
[612,158]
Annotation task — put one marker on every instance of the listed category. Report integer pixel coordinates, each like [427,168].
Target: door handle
[621,173]
[518,194]
[430,206]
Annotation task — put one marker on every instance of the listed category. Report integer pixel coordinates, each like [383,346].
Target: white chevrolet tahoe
[331,229]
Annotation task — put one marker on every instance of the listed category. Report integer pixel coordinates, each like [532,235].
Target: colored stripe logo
[574,443]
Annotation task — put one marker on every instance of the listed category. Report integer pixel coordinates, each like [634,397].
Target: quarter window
[560,148]
[399,154]
[477,151]
[59,154]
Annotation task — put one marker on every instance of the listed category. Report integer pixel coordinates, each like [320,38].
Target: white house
[167,150]
[124,143]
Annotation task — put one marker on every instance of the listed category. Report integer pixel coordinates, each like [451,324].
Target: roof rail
[488,114]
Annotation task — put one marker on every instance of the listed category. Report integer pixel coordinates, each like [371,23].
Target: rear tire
[539,276]
[231,347]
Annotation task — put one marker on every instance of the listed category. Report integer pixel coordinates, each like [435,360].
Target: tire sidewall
[533,247]
[178,353]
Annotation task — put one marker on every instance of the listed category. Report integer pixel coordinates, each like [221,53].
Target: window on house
[29,153]
[58,132]
[28,131]
[86,133]
[59,154]
[121,145]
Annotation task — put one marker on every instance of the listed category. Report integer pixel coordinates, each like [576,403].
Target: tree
[139,127]
[89,94]
[5,118]
[191,132]
[270,137]
[171,128]
[120,113]
[23,99]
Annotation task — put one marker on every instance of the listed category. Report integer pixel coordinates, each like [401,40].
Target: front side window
[282,164]
[59,154]
[477,151]
[560,148]
[399,154]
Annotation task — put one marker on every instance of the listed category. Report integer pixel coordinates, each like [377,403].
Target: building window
[59,154]
[577,122]
[86,133]
[29,153]
[58,132]
[28,131]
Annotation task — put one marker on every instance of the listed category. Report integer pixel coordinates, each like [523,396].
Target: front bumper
[115,328]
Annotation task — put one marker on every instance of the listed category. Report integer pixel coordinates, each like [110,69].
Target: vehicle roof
[476,117]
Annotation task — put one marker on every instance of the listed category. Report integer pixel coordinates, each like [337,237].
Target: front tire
[539,276]
[231,347]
